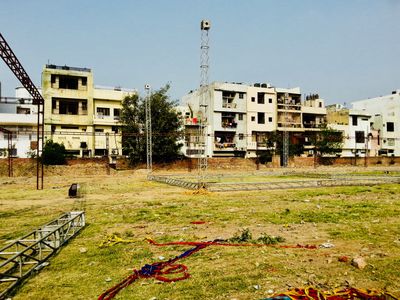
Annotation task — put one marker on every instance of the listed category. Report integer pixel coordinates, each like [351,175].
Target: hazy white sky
[342,49]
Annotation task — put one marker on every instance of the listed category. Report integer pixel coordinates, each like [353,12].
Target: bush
[53,153]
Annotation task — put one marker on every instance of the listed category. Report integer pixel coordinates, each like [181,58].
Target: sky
[344,50]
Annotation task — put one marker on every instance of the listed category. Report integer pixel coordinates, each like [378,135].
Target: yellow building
[83,117]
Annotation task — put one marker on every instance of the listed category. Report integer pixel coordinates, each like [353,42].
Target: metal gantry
[16,67]
[203,102]
[149,142]
[29,253]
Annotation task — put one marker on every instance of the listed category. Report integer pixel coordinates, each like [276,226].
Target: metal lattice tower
[16,67]
[285,137]
[203,102]
[149,147]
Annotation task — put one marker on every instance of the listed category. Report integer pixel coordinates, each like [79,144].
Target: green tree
[165,123]
[327,141]
[53,153]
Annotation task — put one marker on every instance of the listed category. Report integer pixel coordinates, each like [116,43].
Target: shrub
[53,153]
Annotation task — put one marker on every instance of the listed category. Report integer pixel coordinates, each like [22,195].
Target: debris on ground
[359,262]
[326,245]
[311,293]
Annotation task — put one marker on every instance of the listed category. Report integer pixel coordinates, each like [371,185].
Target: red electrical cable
[161,270]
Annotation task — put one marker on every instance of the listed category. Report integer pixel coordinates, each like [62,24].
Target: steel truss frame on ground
[30,252]
[277,185]
[16,67]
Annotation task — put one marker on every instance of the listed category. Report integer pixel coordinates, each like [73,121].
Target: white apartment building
[356,128]
[385,112]
[241,117]
[19,116]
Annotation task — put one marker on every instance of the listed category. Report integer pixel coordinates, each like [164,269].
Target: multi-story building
[355,126]
[385,112]
[83,117]
[19,116]
[241,118]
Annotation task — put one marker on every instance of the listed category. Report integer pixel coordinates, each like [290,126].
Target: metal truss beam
[29,253]
[16,67]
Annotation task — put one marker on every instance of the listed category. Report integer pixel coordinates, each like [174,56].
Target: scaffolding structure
[203,103]
[16,67]
[149,142]
[22,257]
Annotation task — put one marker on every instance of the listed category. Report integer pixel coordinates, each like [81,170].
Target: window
[270,100]
[114,128]
[99,130]
[270,119]
[84,105]
[84,81]
[68,107]
[260,98]
[319,104]
[68,82]
[241,136]
[389,126]
[23,110]
[261,118]
[53,78]
[117,113]
[253,99]
[241,95]
[253,118]
[354,120]
[360,137]
[53,104]
[240,116]
[103,111]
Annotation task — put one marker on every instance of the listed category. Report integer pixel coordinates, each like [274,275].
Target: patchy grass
[359,221]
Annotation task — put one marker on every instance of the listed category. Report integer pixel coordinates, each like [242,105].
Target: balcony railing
[289,125]
[289,107]
[229,105]
[222,146]
[228,124]
[108,118]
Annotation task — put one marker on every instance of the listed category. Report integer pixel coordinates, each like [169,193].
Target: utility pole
[203,103]
[149,149]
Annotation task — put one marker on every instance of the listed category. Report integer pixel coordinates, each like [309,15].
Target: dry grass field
[357,221]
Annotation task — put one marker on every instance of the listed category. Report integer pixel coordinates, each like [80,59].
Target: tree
[165,123]
[327,141]
[53,153]
[274,142]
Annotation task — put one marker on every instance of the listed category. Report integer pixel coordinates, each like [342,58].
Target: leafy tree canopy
[165,123]
[327,141]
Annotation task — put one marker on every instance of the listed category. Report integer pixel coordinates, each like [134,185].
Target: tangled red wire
[161,270]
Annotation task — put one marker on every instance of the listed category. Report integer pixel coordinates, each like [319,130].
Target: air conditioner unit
[114,152]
